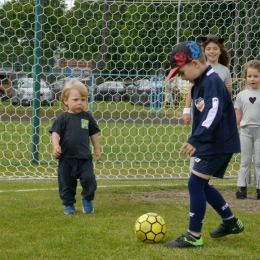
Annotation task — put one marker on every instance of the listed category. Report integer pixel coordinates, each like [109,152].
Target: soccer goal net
[120,50]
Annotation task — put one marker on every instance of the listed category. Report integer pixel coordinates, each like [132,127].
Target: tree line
[125,37]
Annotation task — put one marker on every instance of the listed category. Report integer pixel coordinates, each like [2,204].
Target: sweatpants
[69,171]
[250,141]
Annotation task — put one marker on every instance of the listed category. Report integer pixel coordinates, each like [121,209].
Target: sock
[197,202]
[195,236]
[231,221]
[216,200]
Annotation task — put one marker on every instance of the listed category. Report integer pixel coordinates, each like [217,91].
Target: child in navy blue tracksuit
[213,141]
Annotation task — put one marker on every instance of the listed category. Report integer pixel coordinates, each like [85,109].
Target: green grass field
[33,225]
[32,222]
[151,150]
[146,147]
[128,151]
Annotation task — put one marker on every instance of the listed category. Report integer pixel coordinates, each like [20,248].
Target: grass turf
[33,225]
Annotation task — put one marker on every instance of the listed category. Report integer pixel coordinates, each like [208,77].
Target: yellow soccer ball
[150,228]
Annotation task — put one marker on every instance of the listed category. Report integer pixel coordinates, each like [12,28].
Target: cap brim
[172,73]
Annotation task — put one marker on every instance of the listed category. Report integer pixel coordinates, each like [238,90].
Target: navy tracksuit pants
[69,171]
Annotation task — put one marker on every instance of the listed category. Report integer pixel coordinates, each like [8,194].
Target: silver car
[57,86]
[22,92]
[110,91]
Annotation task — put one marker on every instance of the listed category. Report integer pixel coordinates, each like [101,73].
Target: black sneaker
[224,229]
[184,241]
[242,194]
[258,194]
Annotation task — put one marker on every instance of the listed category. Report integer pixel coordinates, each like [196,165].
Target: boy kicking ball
[213,141]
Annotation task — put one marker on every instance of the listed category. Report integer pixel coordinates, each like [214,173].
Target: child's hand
[188,149]
[98,154]
[229,87]
[56,151]
[186,119]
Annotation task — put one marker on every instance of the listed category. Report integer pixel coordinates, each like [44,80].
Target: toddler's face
[75,102]
[253,78]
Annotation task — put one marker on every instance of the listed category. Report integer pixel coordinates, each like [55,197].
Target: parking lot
[144,92]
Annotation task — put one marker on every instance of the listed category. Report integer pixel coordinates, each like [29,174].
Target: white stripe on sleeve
[212,113]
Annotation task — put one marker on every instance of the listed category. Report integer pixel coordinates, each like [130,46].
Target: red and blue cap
[183,53]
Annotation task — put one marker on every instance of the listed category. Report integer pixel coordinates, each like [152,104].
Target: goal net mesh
[123,43]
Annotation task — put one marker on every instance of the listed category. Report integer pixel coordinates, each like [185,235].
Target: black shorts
[215,165]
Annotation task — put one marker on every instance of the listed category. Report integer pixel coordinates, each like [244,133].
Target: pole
[36,80]
[92,92]
[178,21]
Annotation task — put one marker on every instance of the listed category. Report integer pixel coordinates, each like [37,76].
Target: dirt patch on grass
[250,204]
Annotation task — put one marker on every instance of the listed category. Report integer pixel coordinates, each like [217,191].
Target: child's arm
[188,98]
[211,106]
[238,115]
[95,142]
[56,144]
[186,111]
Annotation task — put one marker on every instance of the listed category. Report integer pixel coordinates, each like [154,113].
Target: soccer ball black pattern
[150,228]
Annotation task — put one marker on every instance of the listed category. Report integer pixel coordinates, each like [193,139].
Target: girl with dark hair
[218,57]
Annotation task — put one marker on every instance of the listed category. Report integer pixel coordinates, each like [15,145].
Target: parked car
[144,91]
[58,85]
[6,83]
[128,90]
[22,92]
[110,91]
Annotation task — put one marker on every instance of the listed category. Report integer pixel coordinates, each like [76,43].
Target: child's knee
[196,183]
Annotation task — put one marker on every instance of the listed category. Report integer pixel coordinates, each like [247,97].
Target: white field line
[112,186]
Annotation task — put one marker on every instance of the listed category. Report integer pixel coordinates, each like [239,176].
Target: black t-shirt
[74,131]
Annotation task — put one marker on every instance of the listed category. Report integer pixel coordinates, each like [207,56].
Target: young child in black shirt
[71,134]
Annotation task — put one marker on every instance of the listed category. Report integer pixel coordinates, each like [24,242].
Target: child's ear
[65,101]
[195,63]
